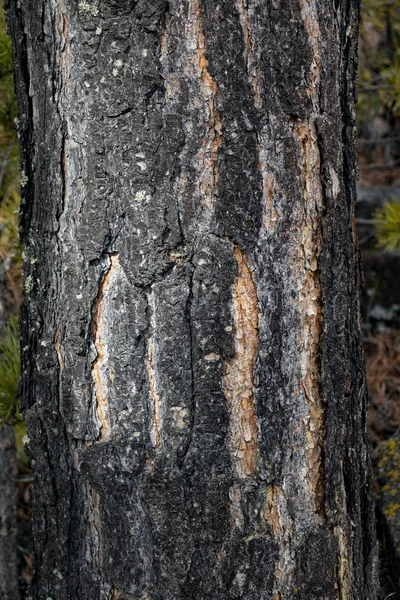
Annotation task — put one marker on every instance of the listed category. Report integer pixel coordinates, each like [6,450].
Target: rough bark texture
[193,379]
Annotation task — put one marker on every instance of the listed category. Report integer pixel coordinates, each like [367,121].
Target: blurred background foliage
[10,249]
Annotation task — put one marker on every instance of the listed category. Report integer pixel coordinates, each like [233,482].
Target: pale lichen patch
[181,417]
[238,380]
[86,8]
[100,327]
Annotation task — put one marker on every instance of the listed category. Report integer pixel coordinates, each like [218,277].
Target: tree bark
[193,379]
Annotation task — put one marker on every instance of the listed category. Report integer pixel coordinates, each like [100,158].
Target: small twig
[375,88]
[24,479]
[378,141]
[361,221]
[381,165]
[23,550]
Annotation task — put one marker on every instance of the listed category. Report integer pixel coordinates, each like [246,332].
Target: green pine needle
[387,220]
[9,371]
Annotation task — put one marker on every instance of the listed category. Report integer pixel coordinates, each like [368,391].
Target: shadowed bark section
[196,394]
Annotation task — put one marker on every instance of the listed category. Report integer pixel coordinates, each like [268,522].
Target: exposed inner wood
[207,156]
[58,349]
[252,52]
[100,327]
[277,515]
[155,400]
[310,292]
[238,378]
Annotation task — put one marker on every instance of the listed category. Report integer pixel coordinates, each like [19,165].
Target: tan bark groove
[207,157]
[155,400]
[204,91]
[238,378]
[100,327]
[277,515]
[310,292]
[251,53]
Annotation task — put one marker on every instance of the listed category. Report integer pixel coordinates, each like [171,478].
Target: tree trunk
[193,379]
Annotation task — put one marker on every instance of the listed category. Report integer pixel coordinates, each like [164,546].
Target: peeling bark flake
[238,378]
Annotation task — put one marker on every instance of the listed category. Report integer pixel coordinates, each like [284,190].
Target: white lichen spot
[28,285]
[44,343]
[98,30]
[58,574]
[25,440]
[23,179]
[118,63]
[335,182]
[140,155]
[115,72]
[144,52]
[25,349]
[33,260]
[87,8]
[142,196]
[87,84]
[181,415]
[142,165]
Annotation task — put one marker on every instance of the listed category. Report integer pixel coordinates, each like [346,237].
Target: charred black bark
[193,380]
